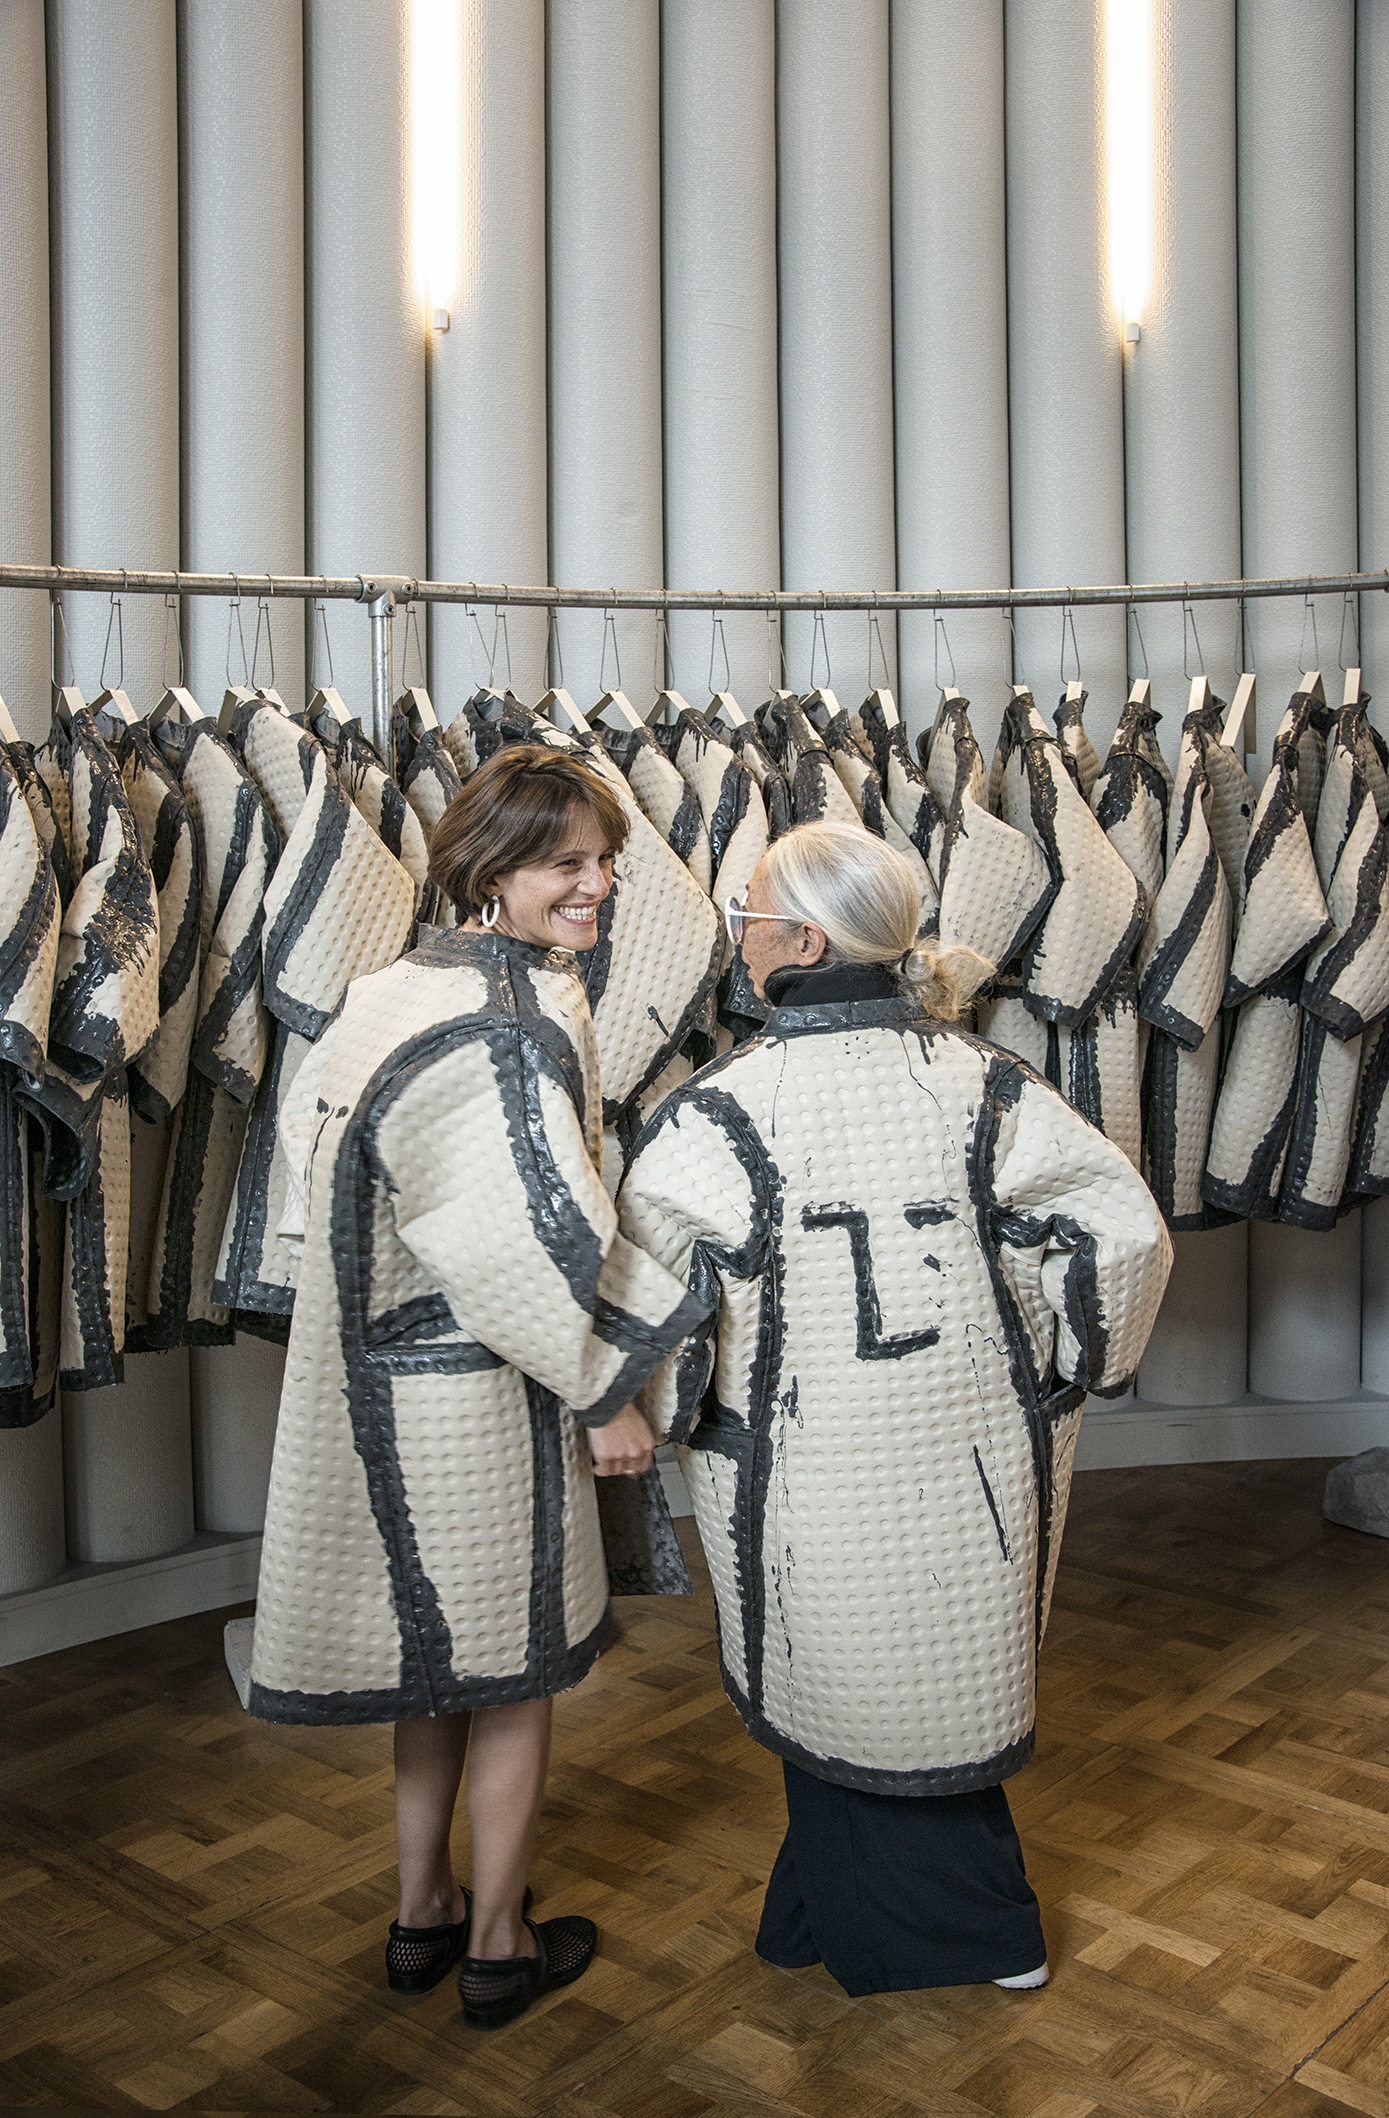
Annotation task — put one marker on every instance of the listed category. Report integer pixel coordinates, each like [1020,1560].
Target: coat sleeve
[1080,1241]
[495,1193]
[693,1198]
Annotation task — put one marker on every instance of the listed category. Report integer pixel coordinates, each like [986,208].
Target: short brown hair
[514,811]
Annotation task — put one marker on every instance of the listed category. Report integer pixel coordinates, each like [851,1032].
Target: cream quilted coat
[922,1258]
[466,1305]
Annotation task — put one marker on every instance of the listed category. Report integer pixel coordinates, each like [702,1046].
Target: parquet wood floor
[194,1905]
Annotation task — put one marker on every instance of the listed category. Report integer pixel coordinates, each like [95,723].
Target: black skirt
[894,1892]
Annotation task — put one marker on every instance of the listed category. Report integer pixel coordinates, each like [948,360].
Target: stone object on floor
[1357,1493]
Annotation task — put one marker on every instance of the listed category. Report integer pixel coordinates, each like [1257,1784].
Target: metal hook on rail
[234,612]
[819,638]
[941,638]
[171,611]
[875,632]
[320,615]
[58,624]
[554,653]
[263,610]
[1349,609]
[1131,616]
[114,617]
[716,639]
[610,631]
[1068,621]
[1189,618]
[1309,613]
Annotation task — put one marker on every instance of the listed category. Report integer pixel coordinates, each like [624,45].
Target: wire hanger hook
[554,653]
[609,633]
[1131,618]
[941,638]
[234,614]
[1068,624]
[59,624]
[818,639]
[1349,610]
[1309,616]
[320,615]
[875,633]
[114,617]
[171,611]
[1189,619]
[263,611]
[718,642]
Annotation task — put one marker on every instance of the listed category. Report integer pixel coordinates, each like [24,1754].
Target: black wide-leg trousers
[894,1892]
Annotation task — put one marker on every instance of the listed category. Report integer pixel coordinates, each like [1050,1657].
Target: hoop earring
[491,913]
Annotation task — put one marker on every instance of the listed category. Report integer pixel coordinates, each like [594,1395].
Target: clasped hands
[624,1447]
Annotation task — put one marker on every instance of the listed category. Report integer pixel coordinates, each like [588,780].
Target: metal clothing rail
[383,592]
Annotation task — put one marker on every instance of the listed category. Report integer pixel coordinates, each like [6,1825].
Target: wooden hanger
[886,705]
[1076,694]
[556,705]
[234,696]
[178,703]
[67,703]
[667,706]
[1350,696]
[116,706]
[724,707]
[1313,686]
[617,710]
[270,697]
[1238,732]
[951,694]
[821,700]
[1141,692]
[8,732]
[1200,695]
[416,706]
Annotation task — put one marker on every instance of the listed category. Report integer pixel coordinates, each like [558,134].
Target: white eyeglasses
[736,915]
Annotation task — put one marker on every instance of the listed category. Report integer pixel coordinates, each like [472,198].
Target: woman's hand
[623,1448]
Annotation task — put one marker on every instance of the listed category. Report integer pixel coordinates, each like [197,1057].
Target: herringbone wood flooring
[195,1905]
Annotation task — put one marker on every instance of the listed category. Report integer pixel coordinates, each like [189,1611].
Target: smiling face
[776,944]
[554,902]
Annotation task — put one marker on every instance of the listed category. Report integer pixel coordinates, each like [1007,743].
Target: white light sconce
[436,127]
[1128,54]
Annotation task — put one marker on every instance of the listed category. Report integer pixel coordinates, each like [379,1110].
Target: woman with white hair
[916,1258]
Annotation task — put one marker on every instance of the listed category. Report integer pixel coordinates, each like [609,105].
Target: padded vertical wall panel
[241,155]
[1298,412]
[365,319]
[1182,489]
[1372,330]
[834,149]
[605,326]
[950,318]
[24,432]
[32,1545]
[718,72]
[231,1454]
[1064,358]
[488,449]
[113,161]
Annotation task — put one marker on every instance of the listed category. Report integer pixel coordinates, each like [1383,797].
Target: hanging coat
[730,802]
[1282,916]
[432,1538]
[922,1259]
[1076,746]
[105,1011]
[159,1077]
[1182,970]
[904,784]
[1345,988]
[660,791]
[995,884]
[1130,796]
[338,905]
[376,796]
[817,794]
[858,775]
[426,773]
[30,1227]
[238,847]
[1097,909]
[747,745]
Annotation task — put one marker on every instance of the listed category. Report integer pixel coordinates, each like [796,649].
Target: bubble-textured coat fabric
[466,1305]
[921,1259]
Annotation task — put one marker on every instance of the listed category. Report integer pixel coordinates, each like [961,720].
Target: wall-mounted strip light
[437,173]
[1129,144]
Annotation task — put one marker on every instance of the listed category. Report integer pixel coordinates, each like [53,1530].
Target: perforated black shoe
[495,1990]
[419,1958]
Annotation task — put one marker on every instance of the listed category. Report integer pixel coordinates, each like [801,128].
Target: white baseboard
[93,1602]
[1137,1432]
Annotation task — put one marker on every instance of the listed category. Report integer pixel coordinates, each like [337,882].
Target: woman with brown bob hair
[469,1332]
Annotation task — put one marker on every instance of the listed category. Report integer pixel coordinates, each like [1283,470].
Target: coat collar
[449,948]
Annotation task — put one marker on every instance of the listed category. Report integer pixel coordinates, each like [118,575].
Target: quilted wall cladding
[778,335]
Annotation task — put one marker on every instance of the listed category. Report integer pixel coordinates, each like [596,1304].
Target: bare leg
[429,1758]
[507,1760]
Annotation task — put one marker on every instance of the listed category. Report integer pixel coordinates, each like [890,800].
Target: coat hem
[450,1694]
[883,1779]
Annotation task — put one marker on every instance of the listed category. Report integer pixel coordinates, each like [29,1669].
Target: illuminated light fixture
[436,111]
[1128,54]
